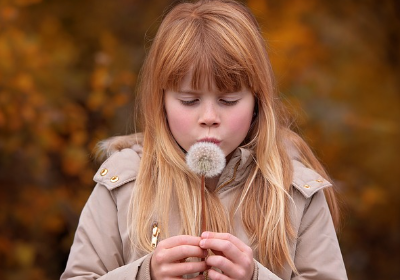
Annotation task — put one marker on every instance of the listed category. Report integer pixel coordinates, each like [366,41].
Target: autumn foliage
[68,71]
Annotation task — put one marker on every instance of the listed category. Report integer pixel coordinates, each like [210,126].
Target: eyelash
[193,102]
[188,102]
[229,103]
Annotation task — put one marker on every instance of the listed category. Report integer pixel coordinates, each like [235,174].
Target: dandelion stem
[203,205]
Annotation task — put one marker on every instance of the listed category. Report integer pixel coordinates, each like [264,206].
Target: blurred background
[68,71]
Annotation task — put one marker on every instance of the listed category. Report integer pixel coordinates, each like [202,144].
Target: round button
[114,179]
[307,186]
[104,172]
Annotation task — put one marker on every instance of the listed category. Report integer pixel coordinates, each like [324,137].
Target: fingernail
[202,243]
[205,234]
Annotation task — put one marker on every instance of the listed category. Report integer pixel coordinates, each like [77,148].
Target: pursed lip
[210,140]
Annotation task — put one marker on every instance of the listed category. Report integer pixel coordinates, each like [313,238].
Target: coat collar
[236,171]
[122,162]
[305,179]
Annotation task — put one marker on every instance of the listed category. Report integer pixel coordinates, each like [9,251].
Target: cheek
[179,123]
[240,123]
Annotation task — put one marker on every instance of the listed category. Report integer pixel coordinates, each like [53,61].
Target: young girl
[270,214]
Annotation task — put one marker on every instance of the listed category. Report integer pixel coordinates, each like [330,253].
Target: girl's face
[209,115]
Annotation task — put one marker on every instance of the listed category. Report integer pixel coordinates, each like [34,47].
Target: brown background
[68,70]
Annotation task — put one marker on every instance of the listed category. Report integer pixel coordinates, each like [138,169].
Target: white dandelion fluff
[205,158]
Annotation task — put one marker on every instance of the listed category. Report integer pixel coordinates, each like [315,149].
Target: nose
[209,115]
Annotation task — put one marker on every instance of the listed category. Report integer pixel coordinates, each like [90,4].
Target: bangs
[211,58]
[209,68]
[220,69]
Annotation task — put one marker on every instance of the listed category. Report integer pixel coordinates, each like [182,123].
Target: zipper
[230,180]
[154,236]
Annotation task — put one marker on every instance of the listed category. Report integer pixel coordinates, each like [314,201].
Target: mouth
[210,140]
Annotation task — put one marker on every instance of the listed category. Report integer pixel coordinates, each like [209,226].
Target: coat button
[114,179]
[104,172]
[306,186]
[319,181]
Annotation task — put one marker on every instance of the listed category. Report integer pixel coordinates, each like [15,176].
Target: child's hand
[168,260]
[232,256]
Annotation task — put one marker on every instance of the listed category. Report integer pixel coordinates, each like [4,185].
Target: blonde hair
[220,42]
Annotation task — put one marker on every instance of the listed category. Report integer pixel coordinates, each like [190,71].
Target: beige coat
[101,248]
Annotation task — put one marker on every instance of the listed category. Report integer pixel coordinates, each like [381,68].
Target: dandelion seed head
[205,158]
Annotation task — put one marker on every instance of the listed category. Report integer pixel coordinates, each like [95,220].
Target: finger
[185,251]
[225,236]
[216,275]
[178,253]
[227,269]
[223,264]
[227,248]
[179,240]
[179,269]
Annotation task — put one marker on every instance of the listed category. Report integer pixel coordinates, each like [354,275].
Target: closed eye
[188,102]
[229,102]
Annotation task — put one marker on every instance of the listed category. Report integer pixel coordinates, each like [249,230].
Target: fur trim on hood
[107,147]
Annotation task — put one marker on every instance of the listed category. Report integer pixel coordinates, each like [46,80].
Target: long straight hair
[220,42]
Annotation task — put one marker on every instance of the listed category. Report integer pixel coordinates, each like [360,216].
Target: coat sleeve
[317,254]
[97,252]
